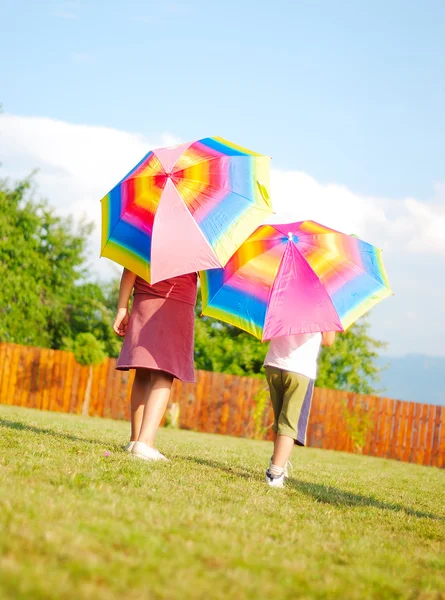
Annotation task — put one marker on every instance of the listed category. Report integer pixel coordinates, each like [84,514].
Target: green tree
[351,362]
[223,348]
[41,259]
[226,350]
[45,296]
[92,309]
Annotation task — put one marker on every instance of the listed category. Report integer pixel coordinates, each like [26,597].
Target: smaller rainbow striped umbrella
[185,208]
[296,278]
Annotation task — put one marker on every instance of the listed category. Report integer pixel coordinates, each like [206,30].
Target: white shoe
[275,481]
[129,447]
[286,468]
[141,450]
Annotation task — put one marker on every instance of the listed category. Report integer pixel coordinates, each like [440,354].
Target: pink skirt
[160,337]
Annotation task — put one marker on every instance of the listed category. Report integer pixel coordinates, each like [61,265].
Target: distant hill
[414,377]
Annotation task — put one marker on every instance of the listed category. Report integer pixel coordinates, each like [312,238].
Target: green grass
[81,519]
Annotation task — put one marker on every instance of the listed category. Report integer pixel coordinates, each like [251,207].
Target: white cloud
[426,226]
[298,195]
[387,223]
[79,164]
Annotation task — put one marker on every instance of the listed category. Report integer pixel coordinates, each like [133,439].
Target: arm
[121,321]
[327,338]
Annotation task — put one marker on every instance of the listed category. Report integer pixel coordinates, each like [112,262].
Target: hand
[120,324]
[328,338]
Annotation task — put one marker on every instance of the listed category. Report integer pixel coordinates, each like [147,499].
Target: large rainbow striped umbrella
[185,208]
[296,278]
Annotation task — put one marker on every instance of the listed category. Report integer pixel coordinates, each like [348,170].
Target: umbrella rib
[381,288]
[310,267]
[215,158]
[354,265]
[272,287]
[114,228]
[213,298]
[212,158]
[173,171]
[184,179]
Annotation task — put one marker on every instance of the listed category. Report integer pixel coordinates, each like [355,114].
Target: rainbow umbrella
[296,278]
[185,208]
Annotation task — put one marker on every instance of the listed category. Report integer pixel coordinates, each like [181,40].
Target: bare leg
[155,406]
[139,396]
[282,450]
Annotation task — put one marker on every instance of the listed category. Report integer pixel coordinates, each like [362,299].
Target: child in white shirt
[291,369]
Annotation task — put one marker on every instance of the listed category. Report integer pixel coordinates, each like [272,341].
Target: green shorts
[291,396]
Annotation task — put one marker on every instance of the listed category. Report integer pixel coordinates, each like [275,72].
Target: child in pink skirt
[159,346]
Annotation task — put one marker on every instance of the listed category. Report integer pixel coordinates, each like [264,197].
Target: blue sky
[350,93]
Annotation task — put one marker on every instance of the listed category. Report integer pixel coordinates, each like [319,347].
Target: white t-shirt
[297,353]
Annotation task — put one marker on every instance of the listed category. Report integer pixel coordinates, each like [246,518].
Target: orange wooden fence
[226,404]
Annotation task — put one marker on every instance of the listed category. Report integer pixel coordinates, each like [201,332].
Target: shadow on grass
[321,493]
[324,493]
[334,496]
[18,426]
[216,465]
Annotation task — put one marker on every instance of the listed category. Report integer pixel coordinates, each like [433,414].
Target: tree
[350,364]
[45,294]
[226,349]
[222,348]
[91,310]
[41,260]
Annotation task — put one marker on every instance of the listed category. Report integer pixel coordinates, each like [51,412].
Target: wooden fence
[227,404]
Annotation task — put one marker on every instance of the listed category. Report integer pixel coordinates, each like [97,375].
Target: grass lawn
[81,519]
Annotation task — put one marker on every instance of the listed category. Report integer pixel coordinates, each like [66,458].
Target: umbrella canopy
[296,278]
[185,208]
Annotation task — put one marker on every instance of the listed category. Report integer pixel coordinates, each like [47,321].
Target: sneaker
[141,450]
[286,467]
[276,482]
[129,447]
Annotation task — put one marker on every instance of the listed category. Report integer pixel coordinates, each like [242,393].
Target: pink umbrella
[296,278]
